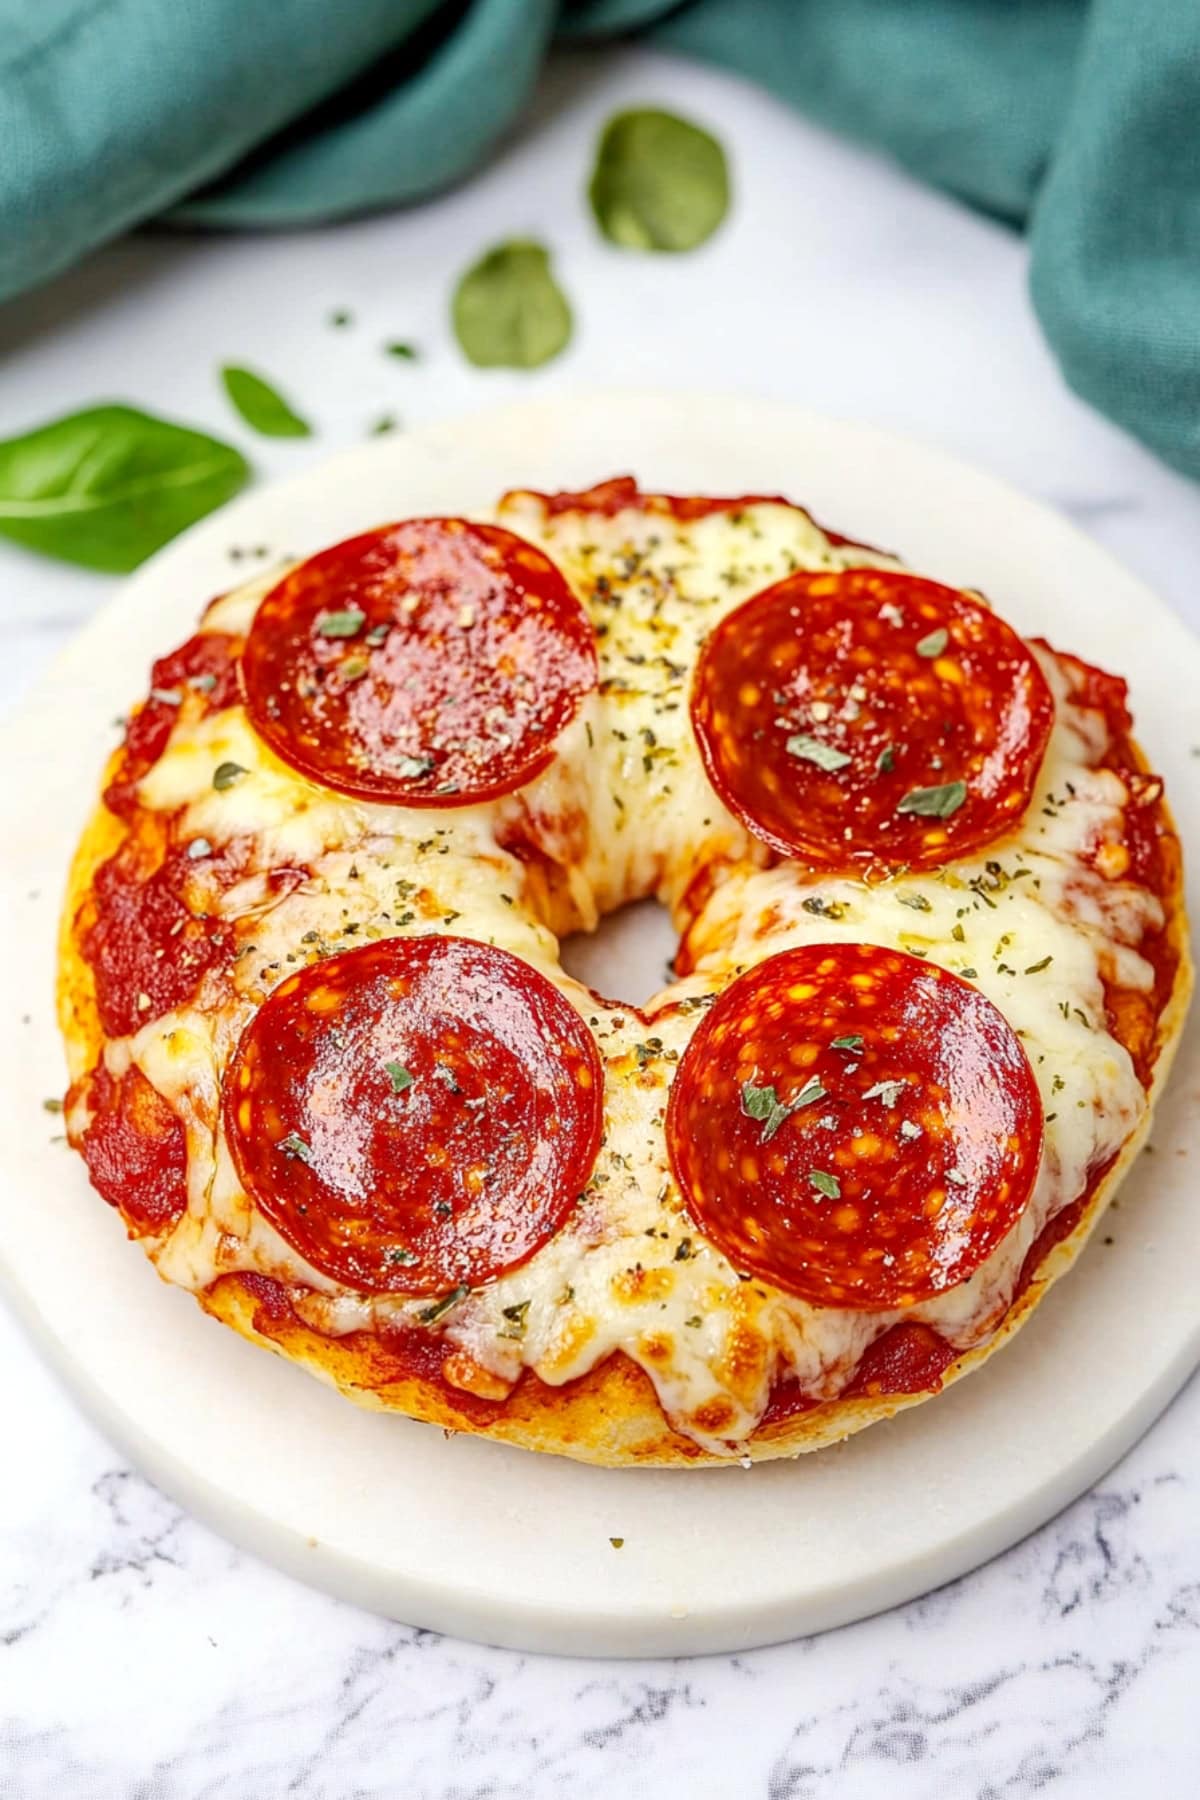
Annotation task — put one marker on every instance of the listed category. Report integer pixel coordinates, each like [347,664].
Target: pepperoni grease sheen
[430,663]
[416,1115]
[855,1126]
[870,717]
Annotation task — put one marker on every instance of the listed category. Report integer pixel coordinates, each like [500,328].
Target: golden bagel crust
[611,1415]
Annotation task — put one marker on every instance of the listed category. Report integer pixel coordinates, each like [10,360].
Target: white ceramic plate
[466,1536]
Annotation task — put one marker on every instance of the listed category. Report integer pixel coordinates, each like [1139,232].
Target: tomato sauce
[146,948]
[621,493]
[201,674]
[135,1150]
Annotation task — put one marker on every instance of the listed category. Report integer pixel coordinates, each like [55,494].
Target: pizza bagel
[329,1070]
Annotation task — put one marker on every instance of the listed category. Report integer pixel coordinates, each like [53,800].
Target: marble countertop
[139,1655]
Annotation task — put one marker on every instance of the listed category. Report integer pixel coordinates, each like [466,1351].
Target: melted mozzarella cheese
[624,811]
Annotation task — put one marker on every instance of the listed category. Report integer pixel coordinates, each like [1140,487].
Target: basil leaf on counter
[660,183]
[108,486]
[262,407]
[508,311]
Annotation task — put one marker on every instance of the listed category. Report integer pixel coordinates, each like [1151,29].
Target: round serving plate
[471,1537]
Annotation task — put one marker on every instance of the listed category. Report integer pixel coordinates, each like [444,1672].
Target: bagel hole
[628,956]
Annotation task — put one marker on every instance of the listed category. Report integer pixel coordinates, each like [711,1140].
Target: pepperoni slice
[869,716]
[855,1126]
[415,1115]
[431,663]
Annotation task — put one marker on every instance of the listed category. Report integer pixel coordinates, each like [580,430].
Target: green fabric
[1077,119]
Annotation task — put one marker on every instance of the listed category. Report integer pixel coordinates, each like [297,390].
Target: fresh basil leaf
[660,183]
[812,750]
[935,802]
[934,644]
[852,1042]
[508,311]
[826,1184]
[108,486]
[401,1079]
[262,407]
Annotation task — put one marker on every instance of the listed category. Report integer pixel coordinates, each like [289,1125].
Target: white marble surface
[140,1656]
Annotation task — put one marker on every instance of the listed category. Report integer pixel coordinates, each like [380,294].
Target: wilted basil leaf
[659,183]
[508,310]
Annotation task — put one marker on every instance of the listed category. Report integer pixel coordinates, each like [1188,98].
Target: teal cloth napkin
[1076,119]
